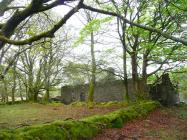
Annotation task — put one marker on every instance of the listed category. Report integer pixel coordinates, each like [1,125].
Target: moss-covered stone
[79,129]
[117,123]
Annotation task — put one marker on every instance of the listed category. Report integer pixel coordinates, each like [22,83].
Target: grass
[79,129]
[179,112]
[18,115]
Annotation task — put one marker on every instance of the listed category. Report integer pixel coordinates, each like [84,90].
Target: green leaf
[89,28]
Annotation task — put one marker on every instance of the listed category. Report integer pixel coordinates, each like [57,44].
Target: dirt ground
[161,124]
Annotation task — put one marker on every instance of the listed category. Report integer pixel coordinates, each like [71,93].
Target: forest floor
[19,115]
[161,124]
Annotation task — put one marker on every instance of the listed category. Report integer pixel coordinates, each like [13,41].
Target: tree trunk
[134,72]
[20,15]
[47,86]
[92,82]
[14,83]
[144,76]
[124,45]
[20,90]
[3,95]
[47,94]
[30,94]
[21,96]
[4,5]
[30,87]
[125,78]
[5,90]
[144,69]
[33,94]
[26,92]
[35,97]
[13,92]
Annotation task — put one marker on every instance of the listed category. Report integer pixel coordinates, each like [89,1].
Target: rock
[57,98]
[164,91]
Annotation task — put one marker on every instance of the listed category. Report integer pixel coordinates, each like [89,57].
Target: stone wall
[107,91]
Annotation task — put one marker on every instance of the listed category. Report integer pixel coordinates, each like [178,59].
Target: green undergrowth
[55,104]
[99,104]
[79,129]
[180,111]
[15,102]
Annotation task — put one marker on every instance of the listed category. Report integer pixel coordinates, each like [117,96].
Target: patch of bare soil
[162,124]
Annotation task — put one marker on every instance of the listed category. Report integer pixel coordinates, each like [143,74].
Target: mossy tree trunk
[10,26]
[47,91]
[47,95]
[35,99]
[144,73]
[144,67]
[14,82]
[30,90]
[134,65]
[3,94]
[5,90]
[33,94]
[4,5]
[26,88]
[92,82]
[20,89]
[48,63]
[121,24]
[125,78]
[134,72]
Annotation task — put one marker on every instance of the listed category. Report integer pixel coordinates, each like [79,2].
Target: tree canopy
[40,50]
[37,6]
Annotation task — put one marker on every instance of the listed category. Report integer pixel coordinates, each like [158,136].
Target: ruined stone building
[107,91]
[113,90]
[165,91]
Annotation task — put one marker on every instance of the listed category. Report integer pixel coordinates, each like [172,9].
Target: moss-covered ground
[19,115]
[81,129]
[161,124]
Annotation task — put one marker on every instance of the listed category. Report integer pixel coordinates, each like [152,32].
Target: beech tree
[142,39]
[37,6]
